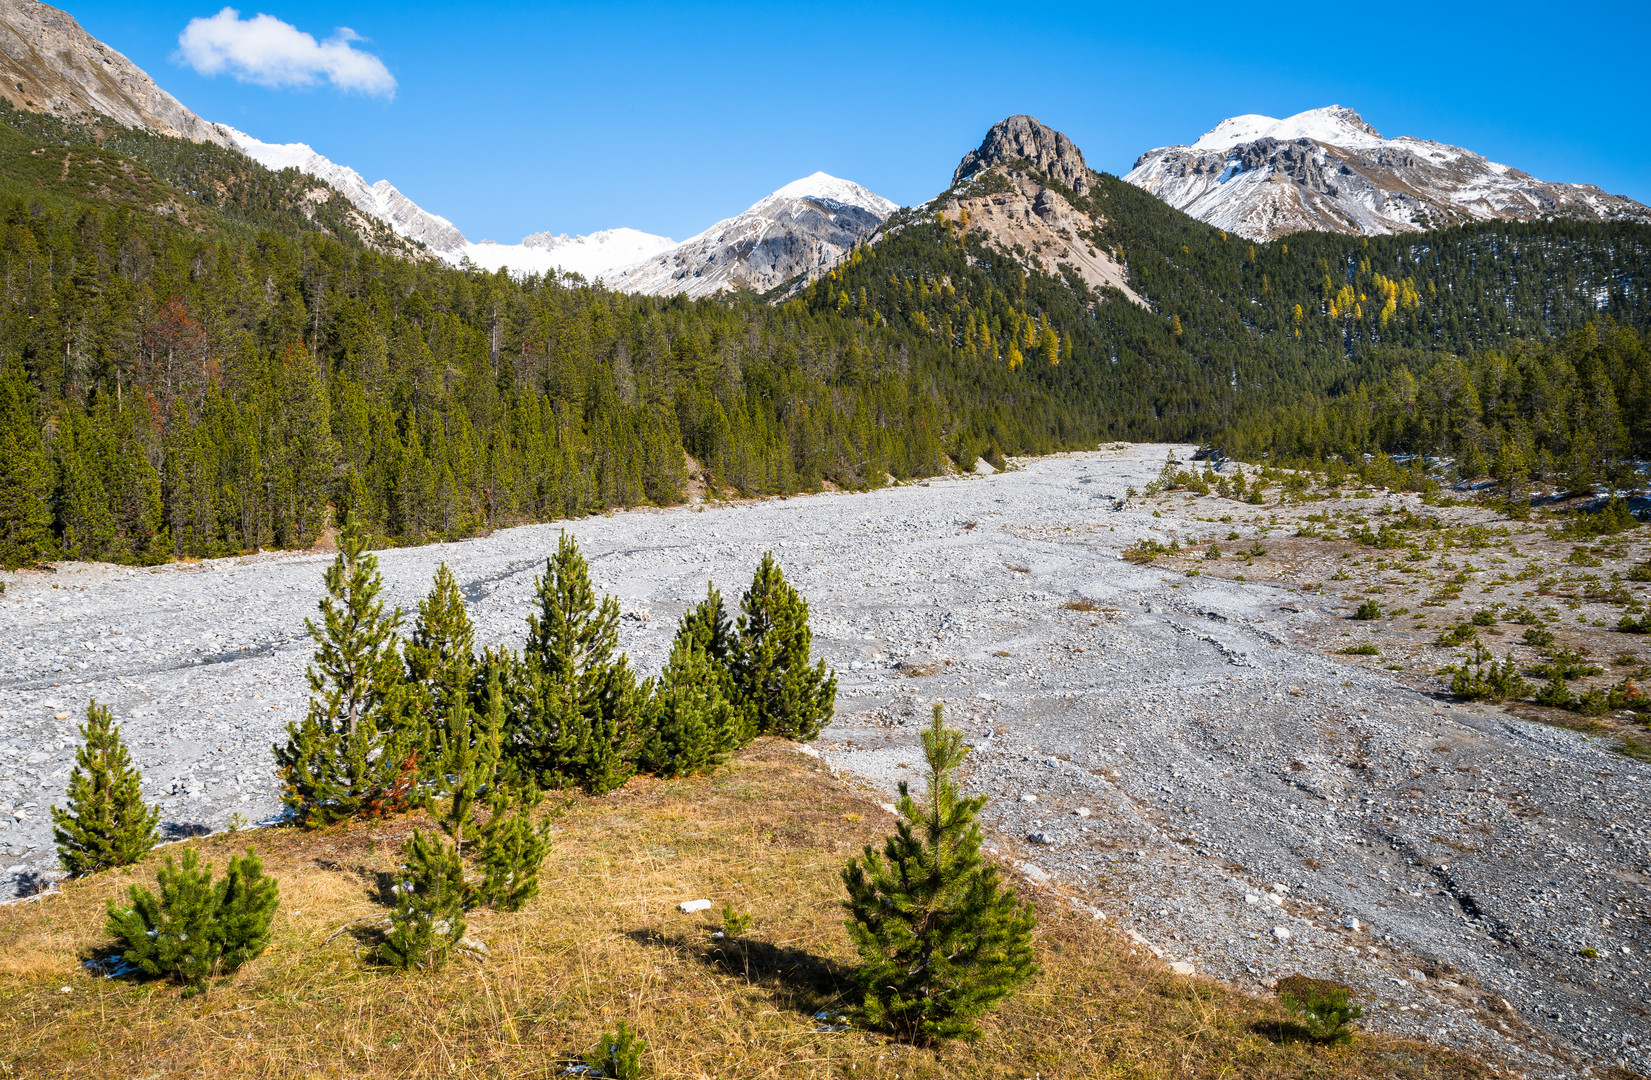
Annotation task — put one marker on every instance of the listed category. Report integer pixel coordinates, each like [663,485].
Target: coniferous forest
[199,358]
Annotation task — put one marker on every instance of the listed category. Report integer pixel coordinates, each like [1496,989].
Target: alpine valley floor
[1257,804]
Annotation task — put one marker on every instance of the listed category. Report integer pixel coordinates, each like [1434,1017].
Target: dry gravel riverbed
[1183,756]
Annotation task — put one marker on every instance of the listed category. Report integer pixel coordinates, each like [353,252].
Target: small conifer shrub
[197,929]
[1367,611]
[428,919]
[348,757]
[618,1054]
[512,850]
[1325,1009]
[580,709]
[106,823]
[781,693]
[691,725]
[940,939]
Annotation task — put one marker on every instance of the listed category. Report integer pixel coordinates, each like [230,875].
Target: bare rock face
[1037,227]
[997,198]
[1023,138]
[1326,169]
[49,64]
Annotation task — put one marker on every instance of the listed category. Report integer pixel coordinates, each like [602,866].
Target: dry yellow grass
[604,941]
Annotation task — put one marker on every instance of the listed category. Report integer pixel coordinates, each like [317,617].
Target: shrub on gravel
[106,823]
[780,692]
[1367,611]
[1485,680]
[1460,634]
[1326,1009]
[197,929]
[691,724]
[1538,638]
[581,708]
[940,940]
[1144,551]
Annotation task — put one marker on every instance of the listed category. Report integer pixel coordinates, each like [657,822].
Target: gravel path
[1178,754]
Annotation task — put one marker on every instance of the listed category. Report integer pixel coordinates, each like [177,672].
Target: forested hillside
[193,364]
[1450,342]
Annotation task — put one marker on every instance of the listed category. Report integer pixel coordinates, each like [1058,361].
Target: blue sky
[511,118]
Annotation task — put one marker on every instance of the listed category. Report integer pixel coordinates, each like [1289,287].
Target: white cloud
[269,52]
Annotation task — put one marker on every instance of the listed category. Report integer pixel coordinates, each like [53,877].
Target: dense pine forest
[200,358]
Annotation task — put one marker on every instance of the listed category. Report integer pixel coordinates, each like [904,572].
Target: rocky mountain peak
[49,64]
[1024,138]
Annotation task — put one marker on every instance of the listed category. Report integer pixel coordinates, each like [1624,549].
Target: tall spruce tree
[106,823]
[580,727]
[782,694]
[940,940]
[349,756]
[25,475]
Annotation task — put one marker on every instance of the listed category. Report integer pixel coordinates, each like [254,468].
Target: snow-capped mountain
[1327,169]
[380,200]
[803,228]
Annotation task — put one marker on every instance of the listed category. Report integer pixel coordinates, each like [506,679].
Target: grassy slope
[604,942]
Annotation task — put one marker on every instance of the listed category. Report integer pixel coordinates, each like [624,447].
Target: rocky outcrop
[1326,169]
[1023,138]
[49,64]
[1006,204]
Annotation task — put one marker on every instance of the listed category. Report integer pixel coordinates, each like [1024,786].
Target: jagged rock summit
[1327,169]
[49,64]
[1009,207]
[1023,138]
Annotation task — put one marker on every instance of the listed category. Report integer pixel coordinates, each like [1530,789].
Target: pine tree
[691,725]
[107,823]
[781,694]
[247,900]
[940,940]
[428,919]
[580,728]
[349,757]
[196,929]
[468,762]
[440,654]
[618,1054]
[512,850]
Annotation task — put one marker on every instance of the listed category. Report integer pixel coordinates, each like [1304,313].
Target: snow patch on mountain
[600,255]
[1333,124]
[380,200]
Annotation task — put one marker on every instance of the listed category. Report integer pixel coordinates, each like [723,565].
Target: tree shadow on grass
[796,978]
[1282,1031]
